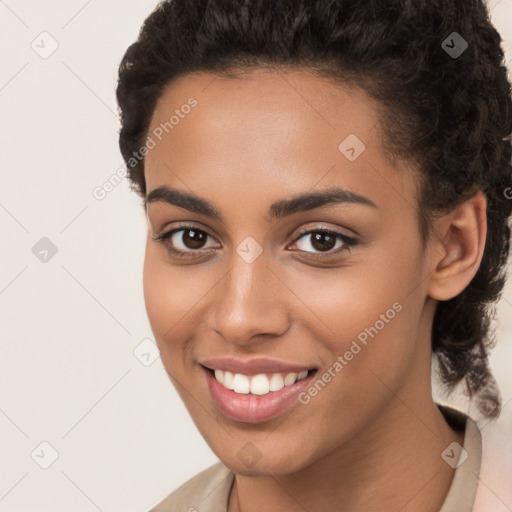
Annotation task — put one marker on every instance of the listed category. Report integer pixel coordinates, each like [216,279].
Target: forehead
[267,131]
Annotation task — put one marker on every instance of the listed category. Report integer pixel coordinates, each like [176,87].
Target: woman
[324,183]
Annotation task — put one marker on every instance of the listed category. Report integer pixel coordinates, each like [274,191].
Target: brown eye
[324,241]
[193,238]
[186,241]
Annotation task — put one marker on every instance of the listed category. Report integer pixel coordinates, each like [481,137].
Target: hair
[449,114]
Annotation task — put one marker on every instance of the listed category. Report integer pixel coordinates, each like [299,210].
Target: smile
[255,398]
[260,384]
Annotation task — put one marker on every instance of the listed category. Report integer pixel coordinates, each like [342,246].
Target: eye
[185,241]
[188,241]
[324,241]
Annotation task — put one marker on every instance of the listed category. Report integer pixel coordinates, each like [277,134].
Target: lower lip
[249,408]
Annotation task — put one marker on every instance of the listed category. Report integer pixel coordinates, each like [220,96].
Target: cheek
[346,302]
[365,313]
[175,297]
[368,356]
[369,326]
[168,297]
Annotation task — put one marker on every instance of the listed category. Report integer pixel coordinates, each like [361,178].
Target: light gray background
[69,326]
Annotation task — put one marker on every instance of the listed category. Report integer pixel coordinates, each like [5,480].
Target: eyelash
[349,242]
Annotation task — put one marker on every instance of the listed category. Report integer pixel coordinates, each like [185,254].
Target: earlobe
[460,244]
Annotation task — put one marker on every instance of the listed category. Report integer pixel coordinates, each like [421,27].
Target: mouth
[255,398]
[258,384]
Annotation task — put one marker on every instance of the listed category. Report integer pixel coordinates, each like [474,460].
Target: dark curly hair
[449,114]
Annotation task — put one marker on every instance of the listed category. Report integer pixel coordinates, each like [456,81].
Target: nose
[251,302]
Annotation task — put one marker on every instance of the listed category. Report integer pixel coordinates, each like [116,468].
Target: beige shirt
[209,490]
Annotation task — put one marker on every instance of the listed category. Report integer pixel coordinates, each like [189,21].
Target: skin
[372,438]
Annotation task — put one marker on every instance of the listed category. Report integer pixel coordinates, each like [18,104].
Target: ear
[459,247]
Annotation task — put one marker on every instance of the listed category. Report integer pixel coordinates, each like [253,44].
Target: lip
[249,408]
[254,366]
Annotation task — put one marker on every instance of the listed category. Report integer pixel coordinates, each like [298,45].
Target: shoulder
[207,491]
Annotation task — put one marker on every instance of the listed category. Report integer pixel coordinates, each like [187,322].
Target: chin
[279,463]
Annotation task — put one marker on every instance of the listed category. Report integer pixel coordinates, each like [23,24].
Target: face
[333,285]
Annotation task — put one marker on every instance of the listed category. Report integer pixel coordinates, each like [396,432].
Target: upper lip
[254,366]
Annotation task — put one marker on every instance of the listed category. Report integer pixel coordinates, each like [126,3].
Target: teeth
[276,382]
[227,380]
[241,384]
[258,384]
[290,379]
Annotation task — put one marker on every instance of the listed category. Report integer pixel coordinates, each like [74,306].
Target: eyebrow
[279,209]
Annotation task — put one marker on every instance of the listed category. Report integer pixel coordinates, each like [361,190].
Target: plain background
[71,370]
